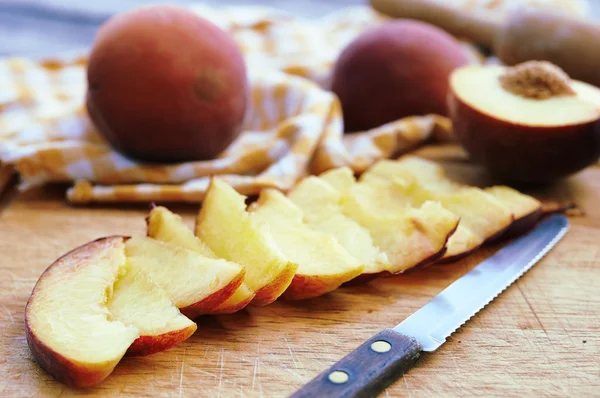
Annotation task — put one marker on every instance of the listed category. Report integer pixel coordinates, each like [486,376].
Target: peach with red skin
[226,308]
[395,70]
[166,85]
[206,306]
[521,225]
[433,259]
[61,368]
[222,215]
[526,210]
[70,371]
[148,345]
[308,286]
[522,151]
[97,271]
[163,225]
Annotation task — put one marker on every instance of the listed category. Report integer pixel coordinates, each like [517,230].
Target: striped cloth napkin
[293,126]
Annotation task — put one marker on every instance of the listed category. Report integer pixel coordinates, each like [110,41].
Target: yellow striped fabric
[294,124]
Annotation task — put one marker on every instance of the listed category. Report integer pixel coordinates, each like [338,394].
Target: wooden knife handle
[367,370]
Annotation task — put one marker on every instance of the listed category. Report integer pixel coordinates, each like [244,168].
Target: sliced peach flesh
[480,88]
[138,301]
[194,283]
[69,329]
[409,236]
[323,264]
[168,227]
[234,234]
[480,212]
[321,206]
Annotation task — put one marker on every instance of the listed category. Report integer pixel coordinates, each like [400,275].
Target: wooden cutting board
[540,338]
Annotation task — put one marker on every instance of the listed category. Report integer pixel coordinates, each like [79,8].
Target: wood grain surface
[540,338]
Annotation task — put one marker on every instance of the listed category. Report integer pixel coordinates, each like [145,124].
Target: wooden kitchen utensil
[526,34]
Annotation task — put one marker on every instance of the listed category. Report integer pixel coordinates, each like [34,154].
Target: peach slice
[137,301]
[323,264]
[67,325]
[238,301]
[480,212]
[168,227]
[526,209]
[194,283]
[398,194]
[91,306]
[236,235]
[529,123]
[321,205]
[462,243]
[410,237]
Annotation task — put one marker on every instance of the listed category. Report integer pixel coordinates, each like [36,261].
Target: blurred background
[41,27]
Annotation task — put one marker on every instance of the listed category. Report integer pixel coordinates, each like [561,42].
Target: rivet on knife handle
[368,369]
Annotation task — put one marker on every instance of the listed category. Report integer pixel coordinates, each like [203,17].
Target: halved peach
[323,264]
[529,123]
[236,235]
[168,227]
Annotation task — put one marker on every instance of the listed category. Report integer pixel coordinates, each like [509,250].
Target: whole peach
[398,69]
[166,85]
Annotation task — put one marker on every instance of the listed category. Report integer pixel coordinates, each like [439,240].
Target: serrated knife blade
[386,356]
[455,305]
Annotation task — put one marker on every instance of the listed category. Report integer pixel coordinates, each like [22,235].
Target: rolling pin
[526,34]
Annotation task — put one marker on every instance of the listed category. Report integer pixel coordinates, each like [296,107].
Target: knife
[386,356]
